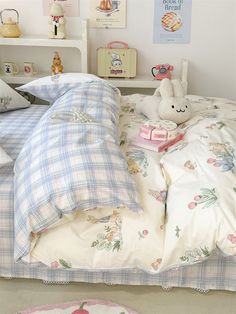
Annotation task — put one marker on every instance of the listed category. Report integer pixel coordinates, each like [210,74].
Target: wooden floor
[18,294]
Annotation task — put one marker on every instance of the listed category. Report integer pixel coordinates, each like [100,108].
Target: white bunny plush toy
[167,103]
[173,106]
[149,105]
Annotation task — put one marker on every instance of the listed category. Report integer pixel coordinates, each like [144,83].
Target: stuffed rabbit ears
[171,88]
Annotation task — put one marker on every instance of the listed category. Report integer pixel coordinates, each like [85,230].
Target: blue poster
[172,21]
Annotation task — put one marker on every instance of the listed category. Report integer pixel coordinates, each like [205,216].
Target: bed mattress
[216,272]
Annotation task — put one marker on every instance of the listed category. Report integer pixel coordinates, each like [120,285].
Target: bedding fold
[68,165]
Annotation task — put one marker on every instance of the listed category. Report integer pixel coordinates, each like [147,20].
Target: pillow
[10,99]
[5,159]
[50,88]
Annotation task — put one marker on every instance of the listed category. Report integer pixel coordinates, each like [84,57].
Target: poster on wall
[172,21]
[108,13]
[71,7]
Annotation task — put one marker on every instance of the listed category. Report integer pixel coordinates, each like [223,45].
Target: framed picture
[172,21]
[107,13]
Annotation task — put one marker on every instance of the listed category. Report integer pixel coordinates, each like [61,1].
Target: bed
[133,254]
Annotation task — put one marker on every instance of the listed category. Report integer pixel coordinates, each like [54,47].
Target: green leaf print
[195,255]
[64,263]
[206,198]
[95,243]
[205,251]
[117,246]
[177,231]
[220,125]
[184,258]
[234,190]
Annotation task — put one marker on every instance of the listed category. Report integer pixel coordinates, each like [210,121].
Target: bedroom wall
[234,54]
[211,51]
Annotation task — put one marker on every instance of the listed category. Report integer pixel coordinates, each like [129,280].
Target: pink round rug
[81,307]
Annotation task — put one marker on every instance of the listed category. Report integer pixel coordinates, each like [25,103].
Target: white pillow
[50,88]
[5,159]
[10,99]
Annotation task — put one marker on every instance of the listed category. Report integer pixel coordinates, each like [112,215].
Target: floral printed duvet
[188,195]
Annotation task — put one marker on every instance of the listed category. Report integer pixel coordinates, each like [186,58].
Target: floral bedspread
[188,195]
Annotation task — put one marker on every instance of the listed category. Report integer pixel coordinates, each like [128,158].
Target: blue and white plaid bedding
[215,273]
[69,165]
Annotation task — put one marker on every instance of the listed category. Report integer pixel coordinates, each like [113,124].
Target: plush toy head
[56,9]
[173,106]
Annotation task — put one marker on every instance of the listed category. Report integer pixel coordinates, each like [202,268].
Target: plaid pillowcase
[50,88]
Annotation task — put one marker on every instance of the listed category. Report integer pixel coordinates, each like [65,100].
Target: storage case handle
[110,44]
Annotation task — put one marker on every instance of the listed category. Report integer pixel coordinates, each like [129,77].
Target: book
[157,146]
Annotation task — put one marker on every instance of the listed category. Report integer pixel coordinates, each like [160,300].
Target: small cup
[30,69]
[10,68]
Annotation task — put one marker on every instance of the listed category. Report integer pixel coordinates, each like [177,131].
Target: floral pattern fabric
[188,194]
[201,212]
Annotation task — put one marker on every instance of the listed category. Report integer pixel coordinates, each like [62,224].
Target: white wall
[234,54]
[211,51]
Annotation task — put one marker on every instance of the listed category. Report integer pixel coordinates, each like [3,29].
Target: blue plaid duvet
[71,162]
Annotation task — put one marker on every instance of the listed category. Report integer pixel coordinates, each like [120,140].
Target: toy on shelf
[57,22]
[116,60]
[162,71]
[57,67]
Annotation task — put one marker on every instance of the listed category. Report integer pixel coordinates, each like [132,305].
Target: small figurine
[57,67]
[57,22]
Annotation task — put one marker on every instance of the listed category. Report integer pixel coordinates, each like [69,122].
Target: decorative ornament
[57,22]
[57,67]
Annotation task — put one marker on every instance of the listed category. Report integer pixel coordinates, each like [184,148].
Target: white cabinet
[12,47]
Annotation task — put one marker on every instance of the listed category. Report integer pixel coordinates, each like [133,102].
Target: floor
[20,294]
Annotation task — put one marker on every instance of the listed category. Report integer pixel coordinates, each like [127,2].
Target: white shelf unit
[80,43]
[142,81]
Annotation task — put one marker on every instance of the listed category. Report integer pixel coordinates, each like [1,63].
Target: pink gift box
[145,131]
[162,130]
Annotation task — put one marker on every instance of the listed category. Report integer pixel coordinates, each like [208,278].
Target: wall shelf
[147,81]
[140,81]
[21,78]
[80,43]
[137,82]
